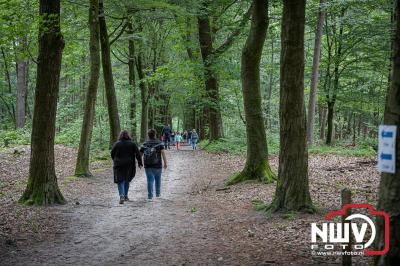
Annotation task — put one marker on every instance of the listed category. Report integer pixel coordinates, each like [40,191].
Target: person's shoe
[126,198]
[121,200]
[149,200]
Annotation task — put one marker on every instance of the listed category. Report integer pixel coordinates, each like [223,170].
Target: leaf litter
[200,221]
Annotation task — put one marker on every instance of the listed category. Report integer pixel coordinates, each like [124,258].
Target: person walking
[166,135]
[173,138]
[184,136]
[189,137]
[123,154]
[154,159]
[194,139]
[178,139]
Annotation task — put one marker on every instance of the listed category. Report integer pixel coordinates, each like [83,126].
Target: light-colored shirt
[178,138]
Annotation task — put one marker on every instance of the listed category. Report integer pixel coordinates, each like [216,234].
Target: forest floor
[197,221]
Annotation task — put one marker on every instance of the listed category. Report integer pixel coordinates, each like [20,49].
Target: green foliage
[14,137]
[357,151]
[259,205]
[237,146]
[233,146]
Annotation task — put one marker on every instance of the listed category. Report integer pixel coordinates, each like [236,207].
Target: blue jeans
[194,144]
[153,174]
[123,188]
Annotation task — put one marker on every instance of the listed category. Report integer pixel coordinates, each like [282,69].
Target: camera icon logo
[334,235]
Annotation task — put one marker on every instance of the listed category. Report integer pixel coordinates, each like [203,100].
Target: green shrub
[357,151]
[231,145]
[14,137]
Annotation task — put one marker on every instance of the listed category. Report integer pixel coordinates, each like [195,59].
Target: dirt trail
[196,222]
[103,232]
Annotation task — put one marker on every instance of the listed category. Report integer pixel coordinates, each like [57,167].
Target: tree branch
[119,34]
[119,59]
[231,38]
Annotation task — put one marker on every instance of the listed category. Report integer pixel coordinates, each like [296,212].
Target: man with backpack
[166,135]
[154,159]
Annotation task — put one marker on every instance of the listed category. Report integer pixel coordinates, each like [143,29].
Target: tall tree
[257,166]
[292,191]
[144,96]
[389,188]
[10,107]
[22,85]
[82,162]
[112,105]
[210,77]
[42,187]
[209,55]
[132,78]
[314,74]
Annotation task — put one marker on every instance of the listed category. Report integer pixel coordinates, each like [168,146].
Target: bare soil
[198,221]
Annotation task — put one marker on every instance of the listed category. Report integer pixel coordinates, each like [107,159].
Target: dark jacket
[166,131]
[123,154]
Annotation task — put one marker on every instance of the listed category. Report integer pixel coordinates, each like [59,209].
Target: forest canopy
[164,35]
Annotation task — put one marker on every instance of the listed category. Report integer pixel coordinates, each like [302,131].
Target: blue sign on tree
[387,149]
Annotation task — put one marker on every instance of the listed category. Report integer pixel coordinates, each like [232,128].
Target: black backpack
[150,154]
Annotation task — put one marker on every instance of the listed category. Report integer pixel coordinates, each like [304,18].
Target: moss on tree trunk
[257,166]
[82,161]
[389,189]
[112,106]
[210,76]
[42,188]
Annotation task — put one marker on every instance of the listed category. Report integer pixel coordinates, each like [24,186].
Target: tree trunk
[257,166]
[144,99]
[22,68]
[10,107]
[389,189]
[354,130]
[42,187]
[314,75]
[112,105]
[132,81]
[268,93]
[292,191]
[329,134]
[211,82]
[322,121]
[82,162]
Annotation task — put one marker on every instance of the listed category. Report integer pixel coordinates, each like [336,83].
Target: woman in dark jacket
[123,154]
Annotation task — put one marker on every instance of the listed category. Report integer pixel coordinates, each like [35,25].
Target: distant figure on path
[173,138]
[154,159]
[189,137]
[178,139]
[123,154]
[194,139]
[184,136]
[166,135]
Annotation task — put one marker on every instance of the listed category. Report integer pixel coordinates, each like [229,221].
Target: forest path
[198,222]
[165,231]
